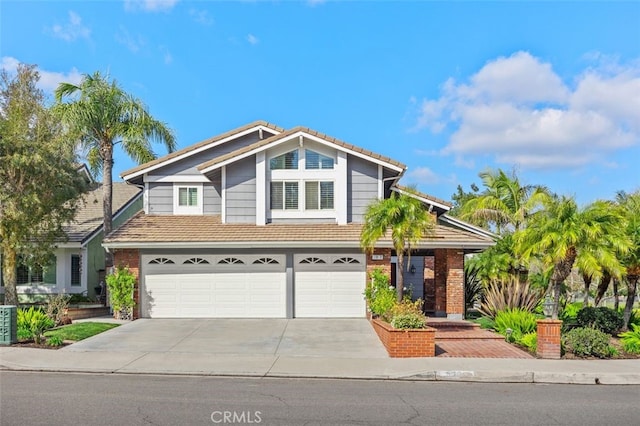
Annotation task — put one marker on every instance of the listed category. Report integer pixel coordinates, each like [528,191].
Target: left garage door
[213,287]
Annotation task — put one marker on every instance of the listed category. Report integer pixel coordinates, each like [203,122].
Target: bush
[530,341]
[570,312]
[586,341]
[509,294]
[409,321]
[407,314]
[54,341]
[604,319]
[121,284]
[57,307]
[518,320]
[33,322]
[631,340]
[380,296]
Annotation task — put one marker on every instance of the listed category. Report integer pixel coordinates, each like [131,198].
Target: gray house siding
[189,165]
[160,198]
[241,191]
[362,187]
[212,199]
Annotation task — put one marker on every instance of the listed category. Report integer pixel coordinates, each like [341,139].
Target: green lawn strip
[80,331]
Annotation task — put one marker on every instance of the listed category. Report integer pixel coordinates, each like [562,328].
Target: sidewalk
[445,369]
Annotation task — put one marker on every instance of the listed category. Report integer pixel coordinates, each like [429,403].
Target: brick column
[549,338]
[440,278]
[131,259]
[455,284]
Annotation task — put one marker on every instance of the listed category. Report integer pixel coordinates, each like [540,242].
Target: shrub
[380,296]
[33,323]
[530,341]
[57,307]
[570,312]
[121,284]
[631,340]
[509,294]
[586,341]
[518,320]
[408,321]
[54,341]
[604,319]
[486,323]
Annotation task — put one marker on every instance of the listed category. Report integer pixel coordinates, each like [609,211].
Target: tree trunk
[616,299]
[9,259]
[632,282]
[602,287]
[561,271]
[400,277]
[587,284]
[106,151]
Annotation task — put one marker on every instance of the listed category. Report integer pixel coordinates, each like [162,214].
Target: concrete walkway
[185,361]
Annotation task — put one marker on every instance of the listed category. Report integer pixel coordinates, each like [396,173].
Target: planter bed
[406,343]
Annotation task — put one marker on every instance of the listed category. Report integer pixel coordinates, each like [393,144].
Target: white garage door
[231,290]
[329,286]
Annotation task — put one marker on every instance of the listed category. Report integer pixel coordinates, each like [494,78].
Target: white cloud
[49,80]
[252,39]
[72,30]
[424,175]
[518,110]
[201,17]
[131,42]
[149,5]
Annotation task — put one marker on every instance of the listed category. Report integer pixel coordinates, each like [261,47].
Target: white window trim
[188,210]
[301,211]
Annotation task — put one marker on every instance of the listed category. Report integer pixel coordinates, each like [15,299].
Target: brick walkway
[462,339]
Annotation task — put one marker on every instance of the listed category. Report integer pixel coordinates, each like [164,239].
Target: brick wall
[455,284]
[440,278]
[131,259]
[406,343]
[549,338]
[384,263]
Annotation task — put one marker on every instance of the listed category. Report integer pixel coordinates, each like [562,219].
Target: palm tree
[563,231]
[408,221]
[630,206]
[101,115]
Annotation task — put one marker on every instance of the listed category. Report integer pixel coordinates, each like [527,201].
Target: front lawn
[80,330]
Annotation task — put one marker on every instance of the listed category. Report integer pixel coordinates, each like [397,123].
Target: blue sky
[549,89]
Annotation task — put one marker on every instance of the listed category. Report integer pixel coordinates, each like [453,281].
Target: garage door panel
[331,294]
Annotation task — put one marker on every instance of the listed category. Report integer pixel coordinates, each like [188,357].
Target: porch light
[413,269]
[547,306]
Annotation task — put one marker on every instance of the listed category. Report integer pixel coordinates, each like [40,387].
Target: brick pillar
[429,284]
[549,338]
[440,278]
[455,284]
[131,259]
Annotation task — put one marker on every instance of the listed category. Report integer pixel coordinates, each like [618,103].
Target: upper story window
[286,161]
[315,160]
[318,195]
[187,198]
[284,195]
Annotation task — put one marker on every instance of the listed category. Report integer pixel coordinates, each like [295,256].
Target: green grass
[80,331]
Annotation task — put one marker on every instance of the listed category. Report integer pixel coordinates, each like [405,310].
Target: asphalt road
[90,399]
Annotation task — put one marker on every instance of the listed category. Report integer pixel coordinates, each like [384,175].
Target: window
[318,195]
[161,261]
[312,261]
[284,195]
[26,274]
[316,160]
[196,261]
[75,270]
[231,261]
[346,260]
[265,261]
[287,161]
[188,197]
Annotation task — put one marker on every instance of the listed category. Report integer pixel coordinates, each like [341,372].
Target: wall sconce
[412,269]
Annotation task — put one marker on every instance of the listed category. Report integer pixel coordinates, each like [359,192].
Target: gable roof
[425,198]
[197,147]
[88,219]
[303,131]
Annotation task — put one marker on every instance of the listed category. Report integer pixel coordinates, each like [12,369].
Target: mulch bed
[32,344]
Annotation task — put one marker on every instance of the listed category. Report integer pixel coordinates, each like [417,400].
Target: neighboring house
[262,222]
[78,263]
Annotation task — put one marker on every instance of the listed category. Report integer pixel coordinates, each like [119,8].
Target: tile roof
[290,132]
[169,229]
[201,144]
[89,216]
[423,195]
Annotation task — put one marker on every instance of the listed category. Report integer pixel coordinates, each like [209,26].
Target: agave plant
[506,294]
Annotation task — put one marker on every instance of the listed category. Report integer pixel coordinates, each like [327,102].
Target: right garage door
[329,286]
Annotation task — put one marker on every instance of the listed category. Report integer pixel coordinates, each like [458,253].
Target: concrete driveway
[335,338]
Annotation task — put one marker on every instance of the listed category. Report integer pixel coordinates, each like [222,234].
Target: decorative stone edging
[406,343]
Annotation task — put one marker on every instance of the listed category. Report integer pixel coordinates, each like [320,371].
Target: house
[78,266]
[263,222]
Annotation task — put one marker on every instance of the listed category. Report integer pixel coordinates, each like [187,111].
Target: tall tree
[563,230]
[630,206]
[102,115]
[407,221]
[40,186]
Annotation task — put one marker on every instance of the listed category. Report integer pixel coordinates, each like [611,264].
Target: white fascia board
[424,200]
[468,227]
[69,245]
[308,136]
[234,244]
[444,244]
[176,178]
[197,151]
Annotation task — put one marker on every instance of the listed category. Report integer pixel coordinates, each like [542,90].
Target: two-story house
[263,222]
